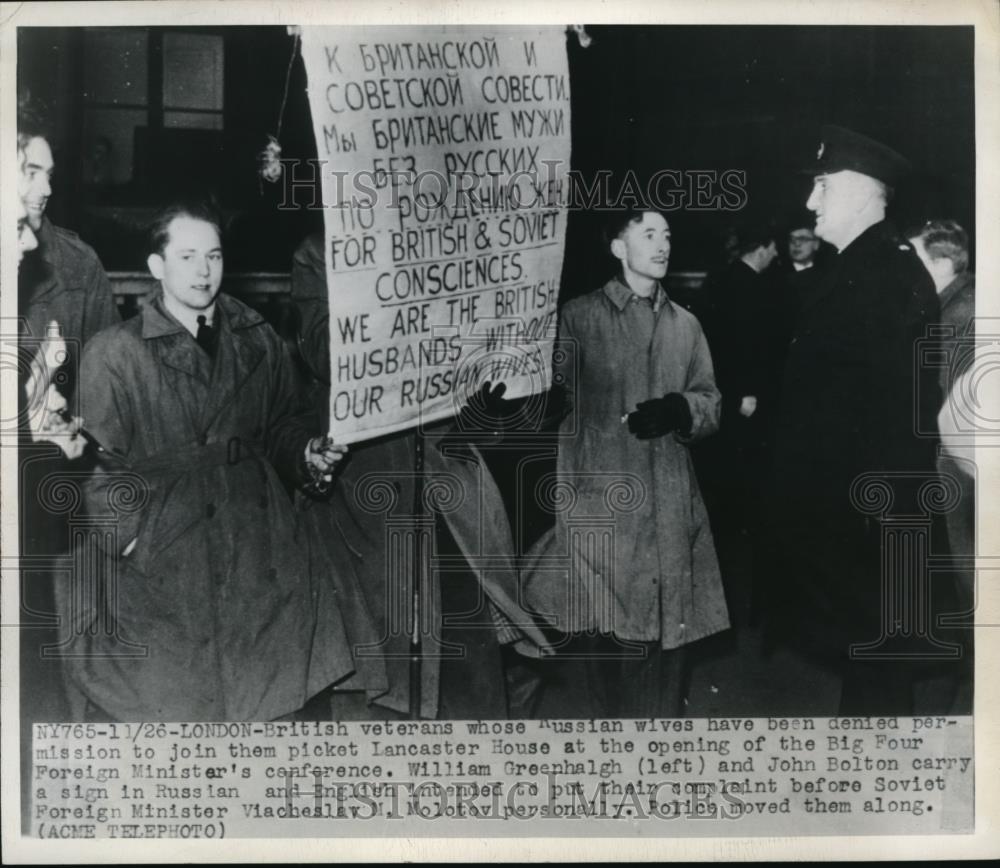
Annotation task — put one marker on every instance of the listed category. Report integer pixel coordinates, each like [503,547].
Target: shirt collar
[157,321]
[957,285]
[620,294]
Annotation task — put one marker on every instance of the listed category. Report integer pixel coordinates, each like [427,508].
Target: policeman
[850,400]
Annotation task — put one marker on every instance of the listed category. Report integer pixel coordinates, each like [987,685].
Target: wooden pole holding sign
[421,579]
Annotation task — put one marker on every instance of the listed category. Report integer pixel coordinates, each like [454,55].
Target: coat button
[210,510]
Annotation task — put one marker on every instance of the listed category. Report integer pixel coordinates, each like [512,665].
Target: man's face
[33,183]
[26,239]
[838,199]
[802,245]
[644,247]
[190,267]
[941,270]
[769,255]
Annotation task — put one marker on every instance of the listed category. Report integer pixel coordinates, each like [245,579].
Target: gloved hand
[482,420]
[487,411]
[660,416]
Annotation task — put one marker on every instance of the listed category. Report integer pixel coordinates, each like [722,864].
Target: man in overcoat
[943,247]
[741,322]
[629,571]
[64,299]
[213,614]
[62,279]
[468,610]
[851,405]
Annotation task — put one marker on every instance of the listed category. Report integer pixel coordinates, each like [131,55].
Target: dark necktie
[207,337]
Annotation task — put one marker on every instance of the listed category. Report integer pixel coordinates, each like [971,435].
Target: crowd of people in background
[249,579]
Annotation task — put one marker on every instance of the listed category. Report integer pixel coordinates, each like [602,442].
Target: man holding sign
[196,407]
[443,154]
[376,535]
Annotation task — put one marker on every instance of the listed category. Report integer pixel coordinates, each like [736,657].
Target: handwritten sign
[444,154]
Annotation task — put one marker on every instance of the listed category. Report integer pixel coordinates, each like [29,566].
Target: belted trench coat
[213,614]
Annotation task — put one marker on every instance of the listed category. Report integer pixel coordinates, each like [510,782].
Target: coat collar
[49,261]
[48,246]
[851,257]
[157,321]
[962,284]
[180,352]
[877,234]
[619,294]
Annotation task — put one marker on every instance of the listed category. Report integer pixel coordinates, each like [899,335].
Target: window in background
[148,79]
[115,100]
[192,81]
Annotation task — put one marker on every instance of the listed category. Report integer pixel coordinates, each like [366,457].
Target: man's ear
[618,248]
[154,262]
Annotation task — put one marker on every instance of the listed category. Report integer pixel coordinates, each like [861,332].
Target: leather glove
[483,419]
[660,416]
[486,411]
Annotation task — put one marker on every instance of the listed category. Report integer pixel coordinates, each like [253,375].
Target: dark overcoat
[213,615]
[359,538]
[63,281]
[853,403]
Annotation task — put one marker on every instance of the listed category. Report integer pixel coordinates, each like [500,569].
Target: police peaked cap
[842,149]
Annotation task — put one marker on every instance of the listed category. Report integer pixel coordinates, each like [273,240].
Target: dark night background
[190,107]
[643,98]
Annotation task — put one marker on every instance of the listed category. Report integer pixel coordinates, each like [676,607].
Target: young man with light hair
[196,407]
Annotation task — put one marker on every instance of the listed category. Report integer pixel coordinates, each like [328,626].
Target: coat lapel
[186,369]
[177,348]
[239,356]
[178,352]
[845,264]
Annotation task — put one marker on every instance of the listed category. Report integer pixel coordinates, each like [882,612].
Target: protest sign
[443,153]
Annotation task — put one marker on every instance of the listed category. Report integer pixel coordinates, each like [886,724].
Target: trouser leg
[348,705]
[631,679]
[652,686]
[472,682]
[525,681]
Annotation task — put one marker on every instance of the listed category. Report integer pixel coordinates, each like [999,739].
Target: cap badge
[819,153]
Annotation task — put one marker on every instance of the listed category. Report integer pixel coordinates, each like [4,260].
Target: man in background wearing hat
[849,404]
